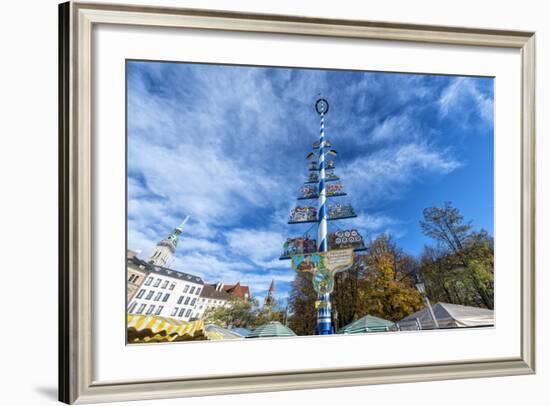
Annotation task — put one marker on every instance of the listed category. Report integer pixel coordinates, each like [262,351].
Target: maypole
[324,309]
[330,252]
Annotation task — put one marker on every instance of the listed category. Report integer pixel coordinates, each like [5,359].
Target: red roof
[237,290]
[242,292]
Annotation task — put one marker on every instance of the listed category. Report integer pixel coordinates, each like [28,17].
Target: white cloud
[189,244]
[383,175]
[373,222]
[462,93]
[394,128]
[261,246]
[213,268]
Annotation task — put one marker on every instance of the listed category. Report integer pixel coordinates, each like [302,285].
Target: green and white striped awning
[366,324]
[271,329]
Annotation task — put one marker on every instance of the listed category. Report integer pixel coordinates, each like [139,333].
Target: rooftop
[160,270]
[210,292]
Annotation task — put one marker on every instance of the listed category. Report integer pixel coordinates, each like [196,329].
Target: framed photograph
[331,202]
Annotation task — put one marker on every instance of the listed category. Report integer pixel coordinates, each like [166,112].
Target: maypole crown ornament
[321,106]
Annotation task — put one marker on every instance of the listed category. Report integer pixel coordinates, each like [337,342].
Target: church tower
[166,248]
[270,298]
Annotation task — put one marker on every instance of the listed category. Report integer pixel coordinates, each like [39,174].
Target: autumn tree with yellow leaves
[384,288]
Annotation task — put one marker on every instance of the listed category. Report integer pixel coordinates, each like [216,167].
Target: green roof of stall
[271,329]
[366,324]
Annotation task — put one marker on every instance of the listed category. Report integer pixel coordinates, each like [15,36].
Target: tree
[237,313]
[383,289]
[344,296]
[460,268]
[445,225]
[301,301]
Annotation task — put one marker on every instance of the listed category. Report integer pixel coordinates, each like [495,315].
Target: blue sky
[226,145]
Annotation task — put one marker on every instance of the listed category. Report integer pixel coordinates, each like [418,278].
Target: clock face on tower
[321,106]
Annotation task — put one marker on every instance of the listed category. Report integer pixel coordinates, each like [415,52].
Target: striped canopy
[366,324]
[271,329]
[144,329]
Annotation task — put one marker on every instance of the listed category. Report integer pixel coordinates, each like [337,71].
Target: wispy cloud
[261,246]
[464,95]
[387,173]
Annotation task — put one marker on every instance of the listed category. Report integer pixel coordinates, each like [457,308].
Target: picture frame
[76,213]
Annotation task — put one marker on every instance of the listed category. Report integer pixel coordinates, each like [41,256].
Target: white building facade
[161,291]
[167,293]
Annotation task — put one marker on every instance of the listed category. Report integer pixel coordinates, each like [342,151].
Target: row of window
[157,283]
[141,309]
[186,298]
[150,295]
[133,278]
[172,285]
[181,312]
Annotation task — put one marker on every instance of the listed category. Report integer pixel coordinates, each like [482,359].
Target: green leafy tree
[237,313]
[243,313]
[460,267]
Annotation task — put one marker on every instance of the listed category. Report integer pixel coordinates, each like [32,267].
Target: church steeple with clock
[167,247]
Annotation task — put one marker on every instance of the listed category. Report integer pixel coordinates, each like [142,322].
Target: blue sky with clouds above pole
[227,146]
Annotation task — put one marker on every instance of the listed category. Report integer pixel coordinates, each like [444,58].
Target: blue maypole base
[324,316]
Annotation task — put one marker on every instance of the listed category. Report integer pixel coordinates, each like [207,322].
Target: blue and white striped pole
[324,322]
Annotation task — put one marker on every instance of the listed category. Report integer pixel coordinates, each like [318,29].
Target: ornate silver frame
[76,21]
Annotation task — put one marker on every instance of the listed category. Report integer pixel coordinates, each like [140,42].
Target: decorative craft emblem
[323,266]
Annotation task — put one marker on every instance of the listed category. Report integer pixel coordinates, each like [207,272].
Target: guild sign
[323,266]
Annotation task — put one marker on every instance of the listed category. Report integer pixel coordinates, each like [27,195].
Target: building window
[166,296]
[159,310]
[186,288]
[158,296]
[157,283]
[192,290]
[165,284]
[150,309]
[140,293]
[180,299]
[181,312]
[198,291]
[175,311]
[131,278]
[188,313]
[187,300]
[150,294]
[132,307]
[193,302]
[172,286]
[141,308]
[148,281]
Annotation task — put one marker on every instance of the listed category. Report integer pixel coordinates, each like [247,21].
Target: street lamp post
[419,284]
